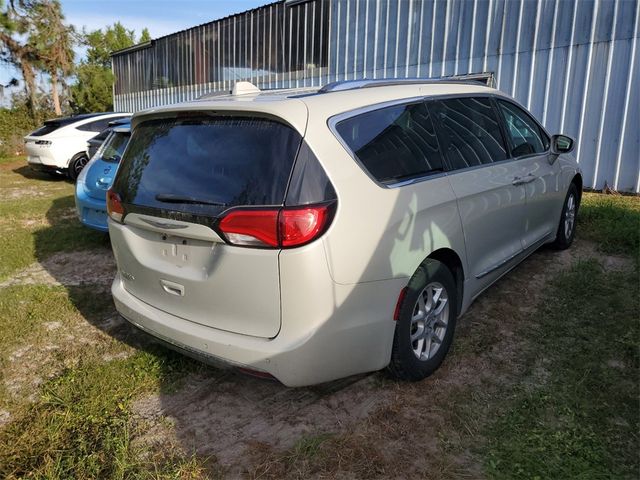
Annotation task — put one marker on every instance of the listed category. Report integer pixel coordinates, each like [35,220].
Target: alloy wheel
[429,321]
[569,216]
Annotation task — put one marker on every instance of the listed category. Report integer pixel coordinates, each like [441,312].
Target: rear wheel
[567,227]
[76,165]
[426,324]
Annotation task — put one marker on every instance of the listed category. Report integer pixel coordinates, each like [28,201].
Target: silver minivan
[313,234]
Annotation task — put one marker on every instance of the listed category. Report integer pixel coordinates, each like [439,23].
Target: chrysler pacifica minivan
[313,234]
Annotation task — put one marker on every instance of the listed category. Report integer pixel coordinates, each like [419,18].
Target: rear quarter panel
[381,233]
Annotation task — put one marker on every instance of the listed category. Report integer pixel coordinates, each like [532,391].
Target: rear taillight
[301,225]
[284,227]
[251,227]
[114,206]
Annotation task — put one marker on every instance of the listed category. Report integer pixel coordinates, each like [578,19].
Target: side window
[471,132]
[393,143]
[98,125]
[524,134]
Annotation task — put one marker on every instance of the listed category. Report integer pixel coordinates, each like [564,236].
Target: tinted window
[102,135]
[226,160]
[46,129]
[52,125]
[309,182]
[97,125]
[471,132]
[524,134]
[113,148]
[393,143]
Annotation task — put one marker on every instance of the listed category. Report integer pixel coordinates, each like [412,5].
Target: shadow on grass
[31,174]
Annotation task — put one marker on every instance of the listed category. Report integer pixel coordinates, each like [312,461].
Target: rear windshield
[46,129]
[113,148]
[52,125]
[203,164]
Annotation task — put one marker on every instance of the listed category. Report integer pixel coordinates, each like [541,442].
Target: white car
[315,234]
[60,145]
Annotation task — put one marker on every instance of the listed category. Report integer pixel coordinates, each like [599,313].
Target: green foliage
[613,221]
[101,43]
[15,123]
[582,422]
[93,90]
[145,36]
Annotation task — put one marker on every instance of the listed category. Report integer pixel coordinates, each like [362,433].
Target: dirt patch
[24,192]
[222,412]
[85,267]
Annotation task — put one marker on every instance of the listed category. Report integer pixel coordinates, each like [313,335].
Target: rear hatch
[34,143]
[102,168]
[177,177]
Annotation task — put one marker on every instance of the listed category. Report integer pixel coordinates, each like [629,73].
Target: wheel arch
[75,157]
[577,181]
[453,262]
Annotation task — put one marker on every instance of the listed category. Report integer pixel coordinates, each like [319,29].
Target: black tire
[564,237]
[76,165]
[405,364]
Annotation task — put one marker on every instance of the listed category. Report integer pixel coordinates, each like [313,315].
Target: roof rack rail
[470,79]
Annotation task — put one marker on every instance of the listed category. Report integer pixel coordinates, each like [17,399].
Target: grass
[566,408]
[583,420]
[37,218]
[77,422]
[80,427]
[613,222]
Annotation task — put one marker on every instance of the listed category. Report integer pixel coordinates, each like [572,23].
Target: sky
[161,17]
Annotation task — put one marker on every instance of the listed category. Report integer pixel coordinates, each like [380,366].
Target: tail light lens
[251,227]
[278,227]
[114,206]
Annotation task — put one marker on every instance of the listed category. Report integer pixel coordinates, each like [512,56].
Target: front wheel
[76,165]
[567,227]
[426,323]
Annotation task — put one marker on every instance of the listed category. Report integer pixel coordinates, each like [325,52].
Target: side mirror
[561,144]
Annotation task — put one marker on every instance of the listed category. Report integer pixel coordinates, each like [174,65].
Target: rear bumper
[356,337]
[91,212]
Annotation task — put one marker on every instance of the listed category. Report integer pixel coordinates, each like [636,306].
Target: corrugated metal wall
[573,64]
[275,46]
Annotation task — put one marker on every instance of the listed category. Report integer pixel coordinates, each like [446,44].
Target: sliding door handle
[522,180]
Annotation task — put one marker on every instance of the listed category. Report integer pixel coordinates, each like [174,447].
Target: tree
[14,22]
[53,40]
[92,91]
[145,36]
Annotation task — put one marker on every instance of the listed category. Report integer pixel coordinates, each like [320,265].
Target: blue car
[96,178]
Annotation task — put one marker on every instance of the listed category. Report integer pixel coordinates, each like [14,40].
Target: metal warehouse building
[575,64]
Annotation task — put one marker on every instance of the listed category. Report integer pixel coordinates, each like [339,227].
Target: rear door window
[524,134]
[113,147]
[470,131]
[203,165]
[98,125]
[393,143]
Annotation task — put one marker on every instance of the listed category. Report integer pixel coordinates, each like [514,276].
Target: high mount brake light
[284,227]
[114,206]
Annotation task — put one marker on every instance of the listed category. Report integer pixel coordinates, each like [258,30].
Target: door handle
[528,178]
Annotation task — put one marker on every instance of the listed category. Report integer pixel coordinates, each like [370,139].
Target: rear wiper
[171,198]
